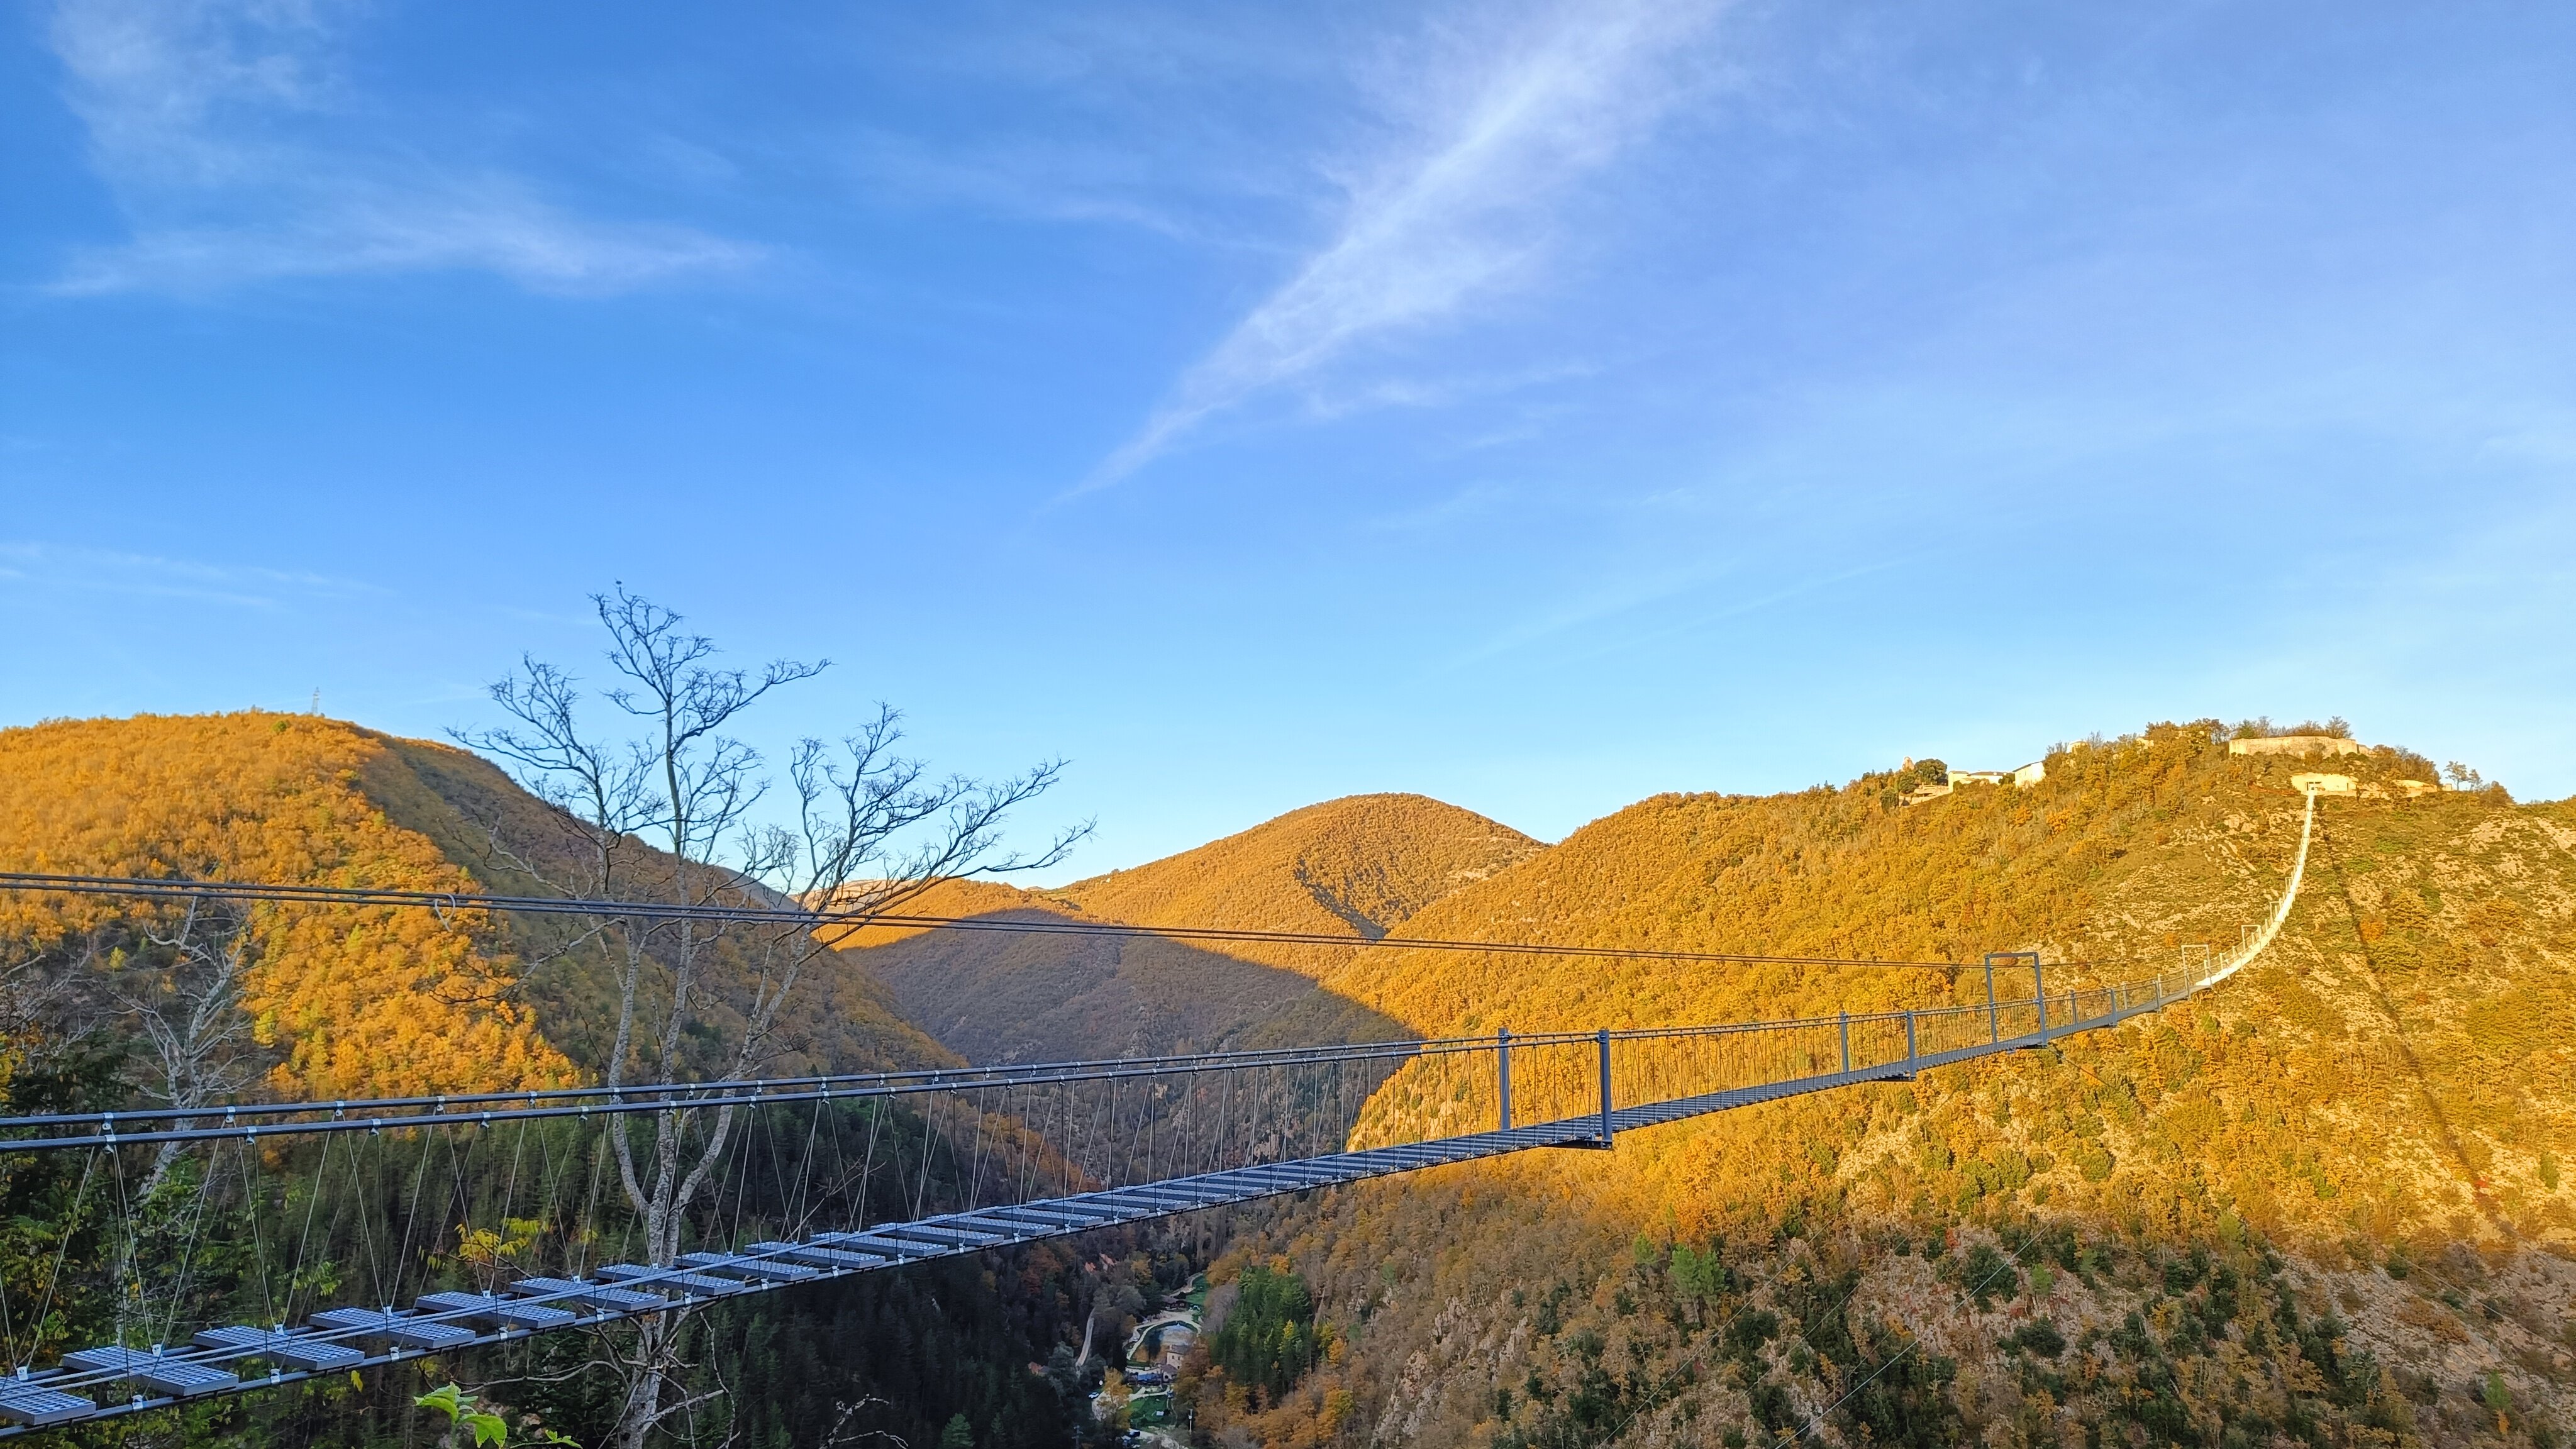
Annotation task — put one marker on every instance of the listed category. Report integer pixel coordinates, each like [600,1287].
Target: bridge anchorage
[257,1244]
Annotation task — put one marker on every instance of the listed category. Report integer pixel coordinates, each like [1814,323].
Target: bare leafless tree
[868,829]
[33,984]
[187,1010]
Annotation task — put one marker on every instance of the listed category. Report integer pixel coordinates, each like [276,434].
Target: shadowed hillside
[2327,1201]
[483,820]
[1359,867]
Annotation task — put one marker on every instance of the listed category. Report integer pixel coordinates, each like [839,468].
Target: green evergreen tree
[1268,1341]
[958,1435]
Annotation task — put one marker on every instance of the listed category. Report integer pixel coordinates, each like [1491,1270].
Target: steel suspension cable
[800,1205]
[188,1250]
[304,1241]
[258,1240]
[868,1171]
[54,1279]
[447,903]
[411,1213]
[125,1215]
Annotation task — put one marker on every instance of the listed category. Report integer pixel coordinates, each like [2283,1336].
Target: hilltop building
[2030,774]
[2296,745]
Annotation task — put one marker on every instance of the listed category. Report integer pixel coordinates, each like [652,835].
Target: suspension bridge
[893,1168]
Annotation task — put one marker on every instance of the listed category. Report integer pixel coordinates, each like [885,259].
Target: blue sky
[1535,406]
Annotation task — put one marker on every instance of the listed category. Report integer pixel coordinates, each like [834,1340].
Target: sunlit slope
[2397,1064]
[342,1001]
[512,843]
[347,1000]
[2334,1200]
[1356,867]
[1360,865]
[2119,857]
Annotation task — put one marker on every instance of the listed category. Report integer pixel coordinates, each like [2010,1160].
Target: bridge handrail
[2272,924]
[490,1108]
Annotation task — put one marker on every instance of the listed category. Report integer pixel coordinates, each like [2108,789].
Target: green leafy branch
[487,1430]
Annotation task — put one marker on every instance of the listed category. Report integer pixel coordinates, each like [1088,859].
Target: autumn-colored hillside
[348,1000]
[1362,864]
[2327,1200]
[1356,867]
[846,1020]
[2415,991]
[340,1001]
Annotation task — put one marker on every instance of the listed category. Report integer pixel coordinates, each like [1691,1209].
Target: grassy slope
[2393,1079]
[1358,866]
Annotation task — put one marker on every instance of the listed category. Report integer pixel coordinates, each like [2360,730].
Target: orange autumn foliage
[351,1000]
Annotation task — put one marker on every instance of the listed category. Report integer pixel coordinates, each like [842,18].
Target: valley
[2326,1202]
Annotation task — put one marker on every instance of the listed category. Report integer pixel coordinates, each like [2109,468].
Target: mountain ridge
[1360,865]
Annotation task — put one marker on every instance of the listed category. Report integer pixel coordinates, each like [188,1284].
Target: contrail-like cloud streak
[1465,217]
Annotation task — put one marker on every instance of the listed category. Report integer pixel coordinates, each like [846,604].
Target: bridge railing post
[1503,1072]
[1842,1027]
[1909,1038]
[1994,1017]
[1606,1128]
[2039,993]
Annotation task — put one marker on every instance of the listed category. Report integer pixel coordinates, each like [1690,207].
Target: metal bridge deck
[339,1340]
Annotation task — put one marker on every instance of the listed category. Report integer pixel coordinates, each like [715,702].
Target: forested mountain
[2327,1201]
[112,1003]
[1356,867]
[344,1001]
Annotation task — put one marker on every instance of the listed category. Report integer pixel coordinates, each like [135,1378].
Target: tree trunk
[643,1409]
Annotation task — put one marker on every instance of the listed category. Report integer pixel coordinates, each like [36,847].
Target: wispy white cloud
[234,141]
[1039,179]
[59,570]
[488,225]
[1625,596]
[1462,215]
[1326,400]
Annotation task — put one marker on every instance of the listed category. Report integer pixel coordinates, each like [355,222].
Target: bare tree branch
[871,830]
